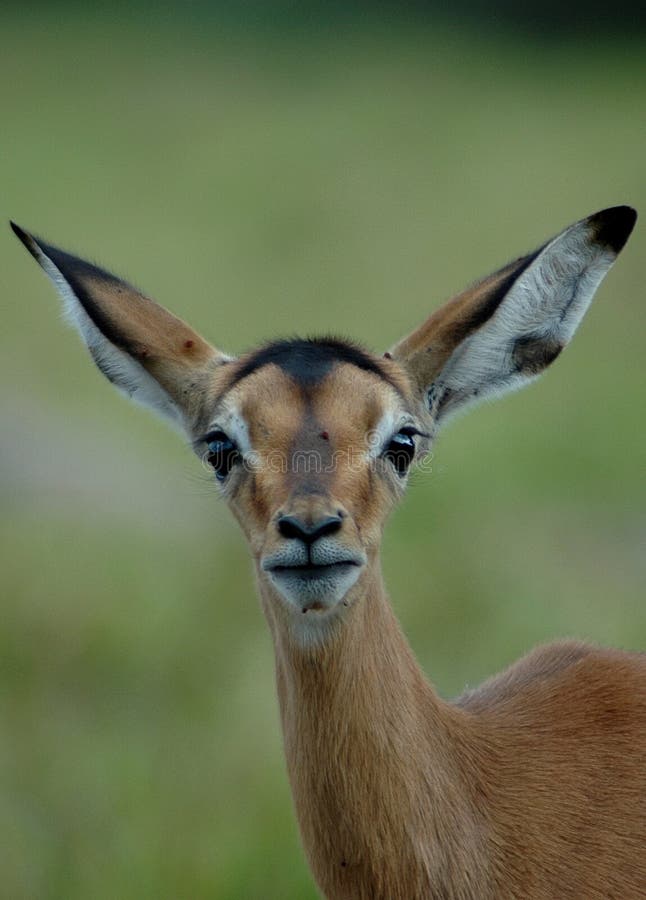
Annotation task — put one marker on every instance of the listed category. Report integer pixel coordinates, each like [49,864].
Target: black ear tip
[27,239]
[21,234]
[612,227]
[17,230]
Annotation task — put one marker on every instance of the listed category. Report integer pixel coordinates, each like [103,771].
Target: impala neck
[362,730]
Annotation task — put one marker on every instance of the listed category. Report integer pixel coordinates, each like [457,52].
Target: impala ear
[144,350]
[502,333]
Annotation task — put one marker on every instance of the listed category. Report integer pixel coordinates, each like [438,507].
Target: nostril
[293,527]
[330,525]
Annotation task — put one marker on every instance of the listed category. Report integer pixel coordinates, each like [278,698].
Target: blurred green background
[261,177]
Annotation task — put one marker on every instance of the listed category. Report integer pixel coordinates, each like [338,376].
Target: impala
[532,785]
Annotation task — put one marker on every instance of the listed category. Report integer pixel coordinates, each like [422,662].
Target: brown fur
[533,788]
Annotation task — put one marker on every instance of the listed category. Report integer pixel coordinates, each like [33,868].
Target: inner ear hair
[501,333]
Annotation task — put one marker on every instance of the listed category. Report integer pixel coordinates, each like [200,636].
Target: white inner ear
[124,372]
[543,308]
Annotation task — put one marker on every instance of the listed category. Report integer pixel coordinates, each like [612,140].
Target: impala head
[311,441]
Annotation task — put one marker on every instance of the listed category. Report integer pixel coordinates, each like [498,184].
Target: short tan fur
[532,786]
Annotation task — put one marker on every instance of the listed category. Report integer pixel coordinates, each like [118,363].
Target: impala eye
[223,453]
[400,452]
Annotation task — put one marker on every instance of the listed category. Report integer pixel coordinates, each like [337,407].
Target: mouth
[311,572]
[312,586]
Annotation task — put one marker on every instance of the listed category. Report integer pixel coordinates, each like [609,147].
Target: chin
[317,591]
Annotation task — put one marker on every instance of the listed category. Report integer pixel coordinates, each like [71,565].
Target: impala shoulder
[561,672]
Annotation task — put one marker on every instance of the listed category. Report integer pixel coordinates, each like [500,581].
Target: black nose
[293,527]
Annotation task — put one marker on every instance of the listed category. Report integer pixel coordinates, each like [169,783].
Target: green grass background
[263,183]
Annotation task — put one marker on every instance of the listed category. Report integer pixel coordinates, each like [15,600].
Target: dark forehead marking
[308,360]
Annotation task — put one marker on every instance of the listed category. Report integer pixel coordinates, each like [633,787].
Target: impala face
[311,441]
